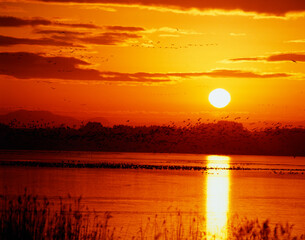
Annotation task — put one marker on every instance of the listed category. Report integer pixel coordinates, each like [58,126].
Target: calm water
[272,189]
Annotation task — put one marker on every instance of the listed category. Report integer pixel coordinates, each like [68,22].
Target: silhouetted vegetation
[223,137]
[29,217]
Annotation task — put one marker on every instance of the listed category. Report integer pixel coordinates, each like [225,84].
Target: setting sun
[219,98]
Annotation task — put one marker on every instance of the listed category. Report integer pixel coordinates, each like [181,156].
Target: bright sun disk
[219,98]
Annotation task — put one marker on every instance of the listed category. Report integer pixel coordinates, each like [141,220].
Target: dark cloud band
[25,65]
[10,21]
[6,41]
[272,7]
[294,57]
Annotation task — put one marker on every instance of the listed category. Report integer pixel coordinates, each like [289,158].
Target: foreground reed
[28,217]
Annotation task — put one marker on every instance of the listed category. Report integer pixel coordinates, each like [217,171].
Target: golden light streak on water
[217,201]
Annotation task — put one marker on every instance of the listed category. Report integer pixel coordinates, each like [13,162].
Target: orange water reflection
[217,200]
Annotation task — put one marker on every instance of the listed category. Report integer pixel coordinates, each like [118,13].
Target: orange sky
[153,61]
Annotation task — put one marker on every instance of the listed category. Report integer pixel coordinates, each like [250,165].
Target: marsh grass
[253,229]
[174,226]
[30,217]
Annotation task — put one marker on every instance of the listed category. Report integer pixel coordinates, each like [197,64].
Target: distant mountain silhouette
[27,118]
[22,118]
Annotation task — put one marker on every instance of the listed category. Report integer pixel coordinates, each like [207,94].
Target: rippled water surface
[261,187]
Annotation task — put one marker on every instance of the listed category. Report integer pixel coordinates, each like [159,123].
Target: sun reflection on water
[217,202]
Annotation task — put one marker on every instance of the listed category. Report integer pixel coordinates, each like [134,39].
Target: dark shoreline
[221,138]
[134,166]
[146,152]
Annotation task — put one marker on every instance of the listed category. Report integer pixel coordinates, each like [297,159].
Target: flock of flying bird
[160,45]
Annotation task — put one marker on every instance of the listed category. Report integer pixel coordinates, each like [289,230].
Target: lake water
[263,187]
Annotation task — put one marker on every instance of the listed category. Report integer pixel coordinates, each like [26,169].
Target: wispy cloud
[172,31]
[10,21]
[294,57]
[237,34]
[109,38]
[278,8]
[25,65]
[225,73]
[70,38]
[286,57]
[124,28]
[10,41]
[58,32]
[297,41]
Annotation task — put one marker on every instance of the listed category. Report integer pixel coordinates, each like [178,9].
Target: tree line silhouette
[222,137]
